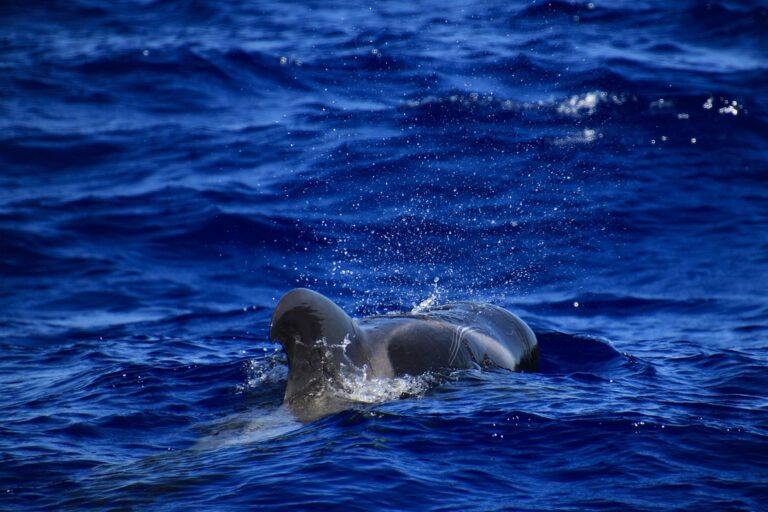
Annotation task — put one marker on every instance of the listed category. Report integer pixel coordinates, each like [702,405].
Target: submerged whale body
[324,346]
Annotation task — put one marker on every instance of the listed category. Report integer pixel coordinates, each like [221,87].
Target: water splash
[359,387]
[430,300]
[269,370]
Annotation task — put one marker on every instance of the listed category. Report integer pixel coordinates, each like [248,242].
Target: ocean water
[169,168]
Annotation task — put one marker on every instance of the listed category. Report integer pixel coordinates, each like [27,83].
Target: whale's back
[492,334]
[456,335]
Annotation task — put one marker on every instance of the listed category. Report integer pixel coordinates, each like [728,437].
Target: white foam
[584,136]
[580,105]
[359,387]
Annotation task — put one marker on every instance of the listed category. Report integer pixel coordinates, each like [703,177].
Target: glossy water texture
[170,168]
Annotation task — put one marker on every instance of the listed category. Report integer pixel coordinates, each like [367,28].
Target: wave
[721,21]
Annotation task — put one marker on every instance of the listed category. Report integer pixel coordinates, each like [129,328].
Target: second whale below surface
[325,346]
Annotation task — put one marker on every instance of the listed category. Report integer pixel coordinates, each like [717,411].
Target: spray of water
[430,301]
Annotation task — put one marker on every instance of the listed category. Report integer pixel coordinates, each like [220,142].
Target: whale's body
[323,344]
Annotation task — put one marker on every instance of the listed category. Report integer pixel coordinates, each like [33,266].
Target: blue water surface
[169,168]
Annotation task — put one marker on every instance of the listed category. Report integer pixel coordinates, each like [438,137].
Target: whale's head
[314,333]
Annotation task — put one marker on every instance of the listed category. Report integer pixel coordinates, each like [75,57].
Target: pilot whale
[324,345]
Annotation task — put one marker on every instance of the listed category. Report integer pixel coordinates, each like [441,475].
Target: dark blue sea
[170,168]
